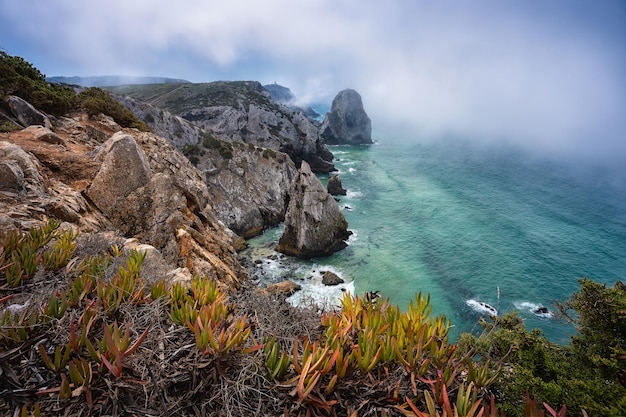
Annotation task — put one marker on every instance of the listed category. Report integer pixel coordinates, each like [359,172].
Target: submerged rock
[314,224]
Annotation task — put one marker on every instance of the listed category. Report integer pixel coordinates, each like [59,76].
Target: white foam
[354,194]
[534,309]
[482,307]
[324,296]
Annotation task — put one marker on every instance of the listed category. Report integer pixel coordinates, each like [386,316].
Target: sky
[547,75]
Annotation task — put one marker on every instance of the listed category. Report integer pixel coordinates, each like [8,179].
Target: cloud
[545,75]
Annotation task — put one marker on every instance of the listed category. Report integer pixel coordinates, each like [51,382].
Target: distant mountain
[113,80]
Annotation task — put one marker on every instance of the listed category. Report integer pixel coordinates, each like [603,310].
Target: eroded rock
[334,186]
[314,224]
[347,123]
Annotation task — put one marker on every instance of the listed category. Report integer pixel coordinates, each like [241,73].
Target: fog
[549,76]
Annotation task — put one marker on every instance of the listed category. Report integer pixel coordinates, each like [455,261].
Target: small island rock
[347,123]
[334,186]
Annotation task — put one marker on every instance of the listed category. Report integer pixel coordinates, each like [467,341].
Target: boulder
[282,289]
[347,123]
[44,134]
[314,224]
[124,169]
[26,114]
[11,176]
[20,170]
[330,278]
[334,186]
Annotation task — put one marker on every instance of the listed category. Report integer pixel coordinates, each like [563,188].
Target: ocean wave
[482,307]
[536,309]
[324,296]
[354,194]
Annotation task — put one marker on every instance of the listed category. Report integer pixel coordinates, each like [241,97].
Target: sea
[481,229]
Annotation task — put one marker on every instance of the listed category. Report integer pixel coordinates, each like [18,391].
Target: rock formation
[25,113]
[242,111]
[248,184]
[314,225]
[330,278]
[134,185]
[347,123]
[334,186]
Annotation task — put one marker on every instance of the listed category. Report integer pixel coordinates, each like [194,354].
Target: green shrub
[582,375]
[95,101]
[21,79]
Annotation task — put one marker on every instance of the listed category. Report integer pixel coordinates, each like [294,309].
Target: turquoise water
[463,222]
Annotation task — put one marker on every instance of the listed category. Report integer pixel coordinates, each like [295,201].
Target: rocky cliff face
[241,111]
[116,184]
[314,224]
[347,123]
[248,184]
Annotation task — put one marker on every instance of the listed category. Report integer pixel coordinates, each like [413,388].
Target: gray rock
[334,186]
[250,189]
[330,278]
[21,169]
[26,114]
[45,135]
[314,224]
[178,131]
[347,123]
[11,176]
[124,169]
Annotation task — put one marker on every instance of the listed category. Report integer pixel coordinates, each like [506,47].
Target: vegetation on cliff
[91,333]
[21,79]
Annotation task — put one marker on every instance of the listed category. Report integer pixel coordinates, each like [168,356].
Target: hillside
[109,80]
[239,111]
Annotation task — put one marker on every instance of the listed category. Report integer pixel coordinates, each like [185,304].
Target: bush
[95,101]
[21,79]
[587,374]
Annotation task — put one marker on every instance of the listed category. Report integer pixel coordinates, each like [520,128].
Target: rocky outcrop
[19,171]
[249,189]
[178,131]
[25,113]
[248,184]
[334,186]
[314,224]
[330,278]
[135,185]
[124,169]
[347,123]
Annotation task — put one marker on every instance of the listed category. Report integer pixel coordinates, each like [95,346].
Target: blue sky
[549,75]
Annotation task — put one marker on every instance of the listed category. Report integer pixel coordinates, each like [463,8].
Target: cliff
[248,184]
[115,184]
[239,111]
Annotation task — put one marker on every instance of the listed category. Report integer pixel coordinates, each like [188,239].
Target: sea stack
[314,224]
[347,123]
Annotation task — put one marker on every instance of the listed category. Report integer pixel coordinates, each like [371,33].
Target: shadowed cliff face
[97,177]
[248,183]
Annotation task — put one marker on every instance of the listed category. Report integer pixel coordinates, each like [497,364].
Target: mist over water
[468,222]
